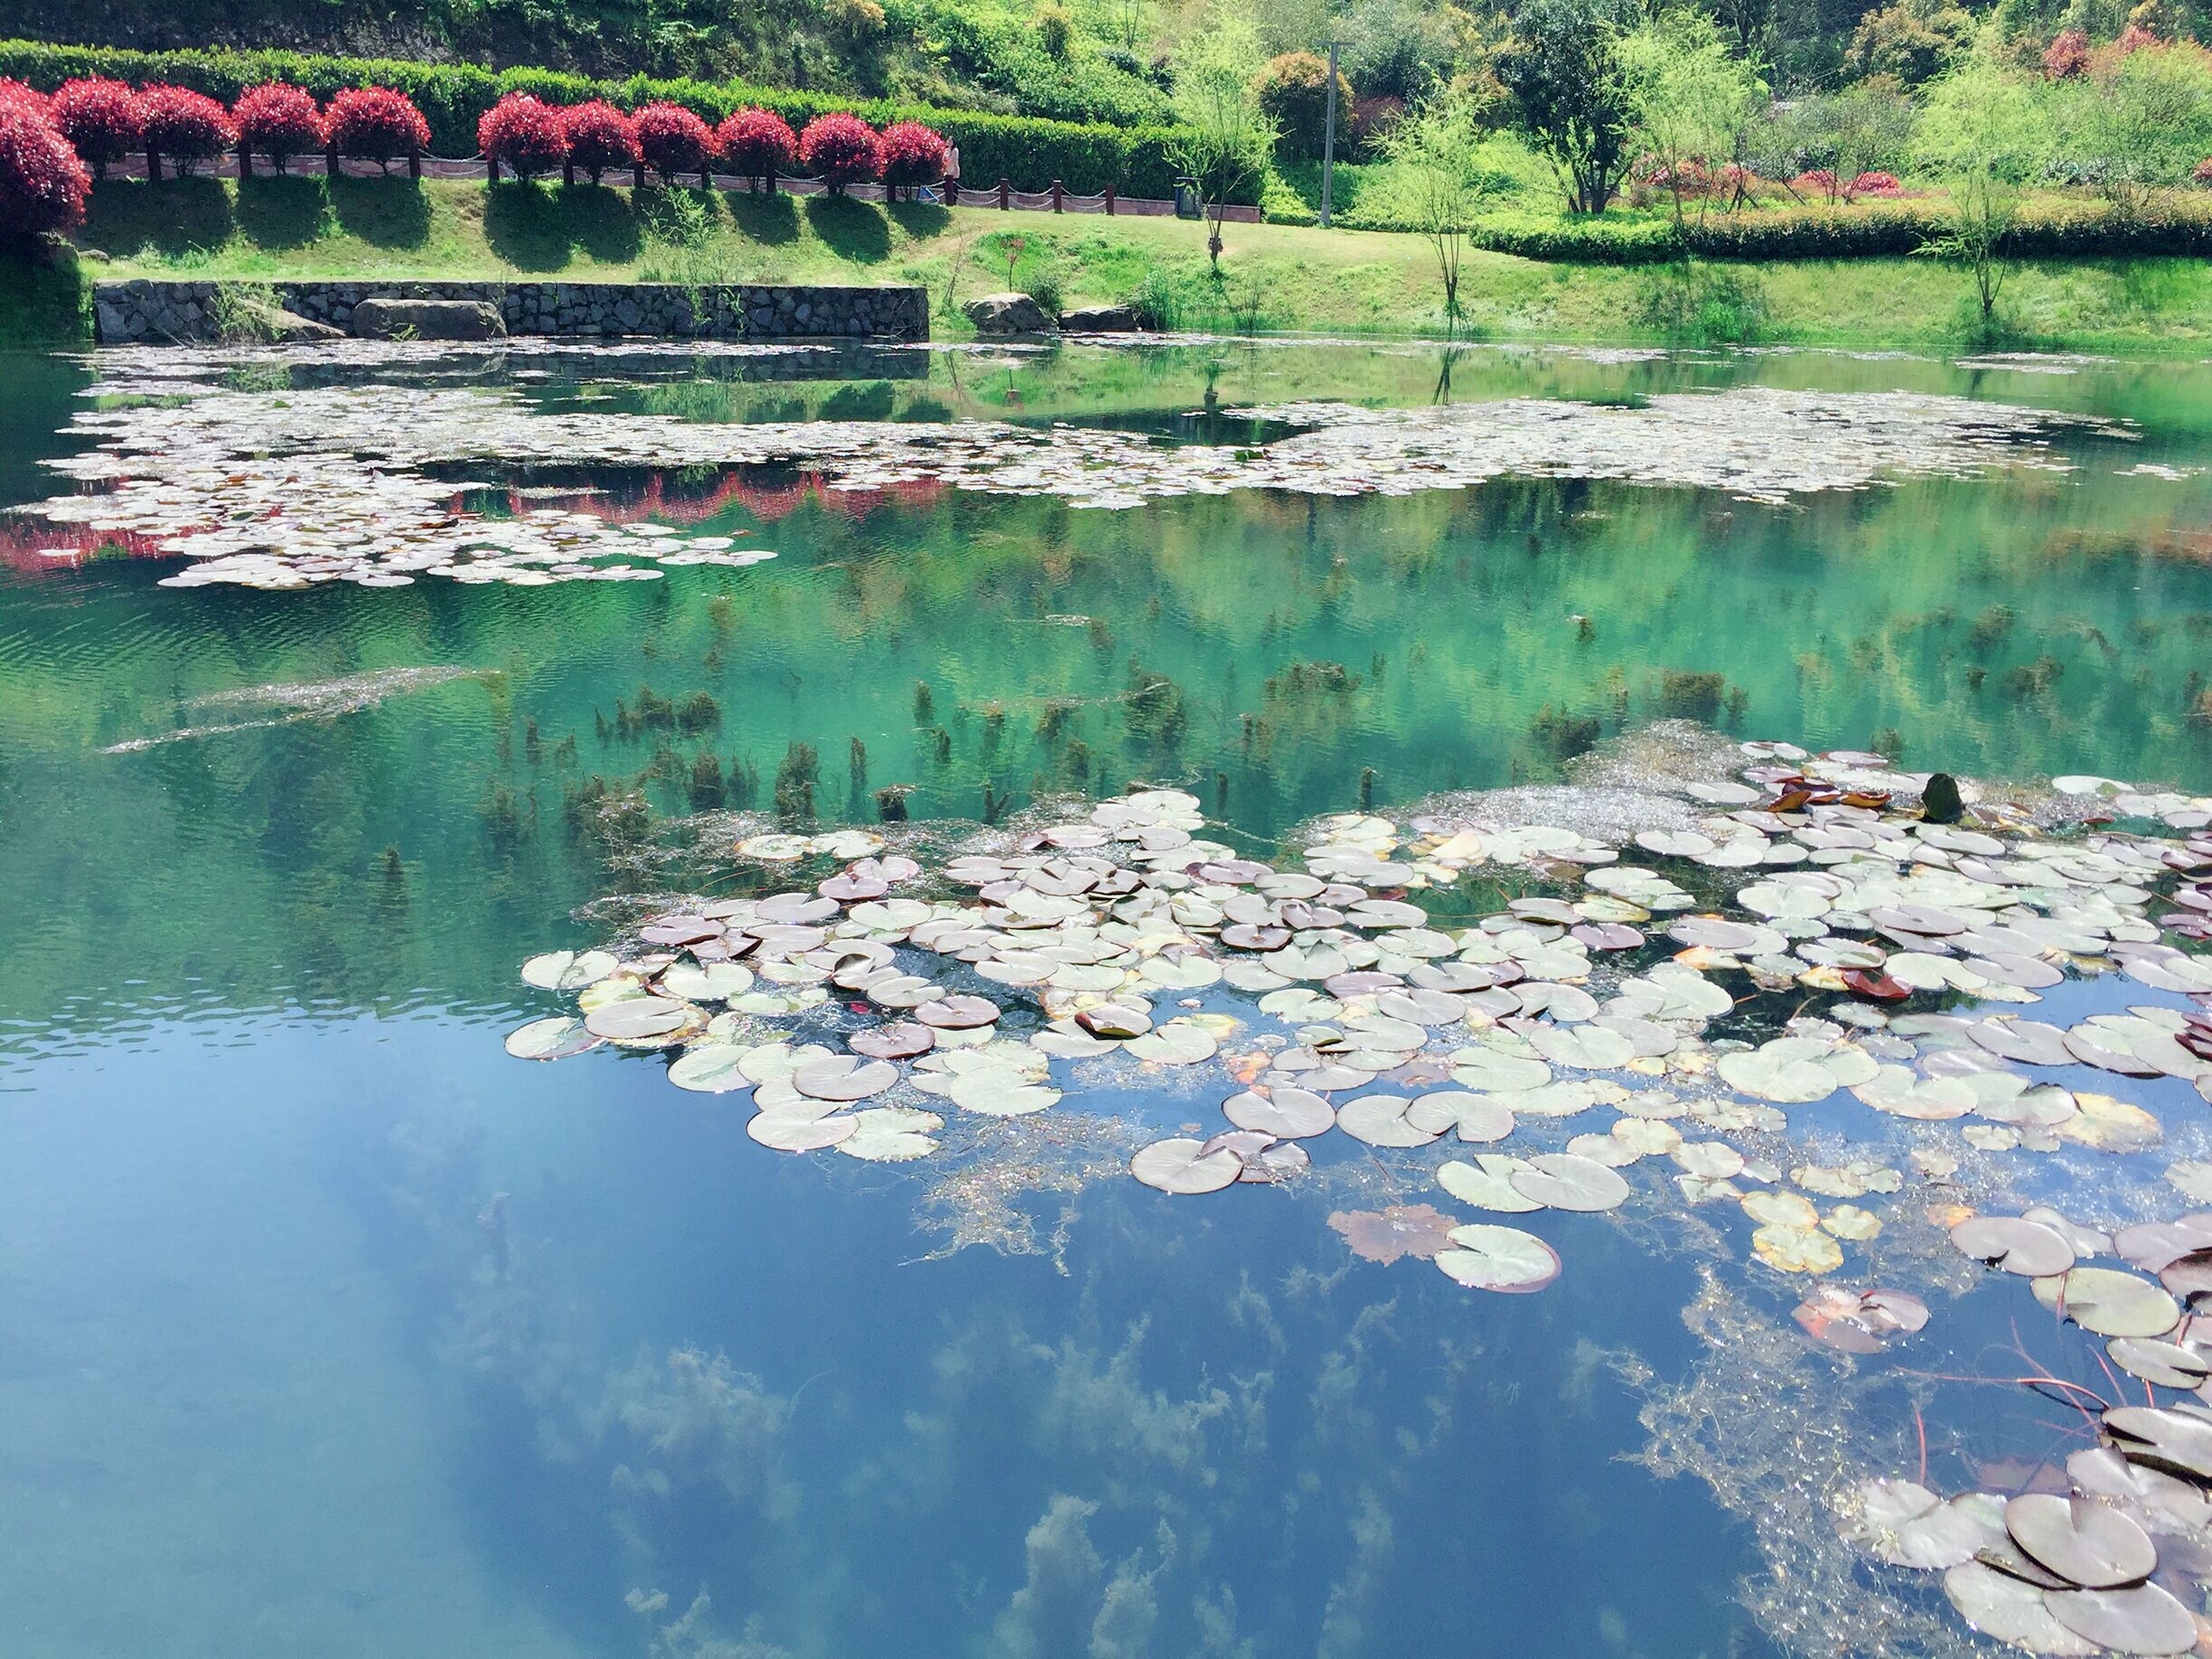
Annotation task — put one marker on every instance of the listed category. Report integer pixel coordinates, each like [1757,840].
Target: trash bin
[1187,198]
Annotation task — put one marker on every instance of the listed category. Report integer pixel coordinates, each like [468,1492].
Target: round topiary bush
[523,133]
[1294,94]
[912,154]
[42,181]
[840,150]
[377,124]
[100,118]
[674,140]
[600,136]
[13,92]
[184,126]
[758,143]
[279,121]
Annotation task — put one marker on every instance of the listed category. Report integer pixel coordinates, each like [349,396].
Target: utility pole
[1328,138]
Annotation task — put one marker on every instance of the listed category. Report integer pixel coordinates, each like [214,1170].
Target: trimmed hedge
[1087,157]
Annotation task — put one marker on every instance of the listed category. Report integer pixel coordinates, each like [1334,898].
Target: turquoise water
[325,1327]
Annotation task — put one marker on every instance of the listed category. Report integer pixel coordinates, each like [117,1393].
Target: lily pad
[1183,1166]
[1501,1258]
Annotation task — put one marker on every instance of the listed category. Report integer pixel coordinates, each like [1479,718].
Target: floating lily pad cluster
[333,482]
[970,983]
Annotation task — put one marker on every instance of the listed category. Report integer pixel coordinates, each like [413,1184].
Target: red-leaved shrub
[758,143]
[2067,55]
[674,140]
[43,183]
[279,121]
[1874,184]
[840,149]
[912,154]
[183,126]
[377,124]
[2202,172]
[100,118]
[13,92]
[600,136]
[1818,181]
[523,133]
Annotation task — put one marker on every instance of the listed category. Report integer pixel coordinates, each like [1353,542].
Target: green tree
[2139,121]
[1984,134]
[1226,140]
[1563,72]
[1437,183]
[1691,97]
[1293,92]
[1861,129]
[1909,42]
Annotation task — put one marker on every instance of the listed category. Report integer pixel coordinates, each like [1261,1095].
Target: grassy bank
[1273,277]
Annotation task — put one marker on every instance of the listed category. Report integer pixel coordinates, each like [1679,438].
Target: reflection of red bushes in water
[663,502]
[37,549]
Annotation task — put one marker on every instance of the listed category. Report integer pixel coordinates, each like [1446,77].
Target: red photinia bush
[1819,180]
[377,124]
[673,140]
[1876,184]
[2067,55]
[279,121]
[600,136]
[43,183]
[13,92]
[523,133]
[100,118]
[184,126]
[758,143]
[2202,172]
[840,149]
[912,154]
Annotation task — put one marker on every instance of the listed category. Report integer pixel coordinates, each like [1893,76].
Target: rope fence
[1002,196]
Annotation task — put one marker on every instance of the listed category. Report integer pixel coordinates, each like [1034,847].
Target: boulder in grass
[1100,320]
[1008,314]
[422,319]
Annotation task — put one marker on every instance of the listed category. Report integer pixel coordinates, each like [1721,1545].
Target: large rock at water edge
[250,320]
[1100,320]
[414,319]
[1008,314]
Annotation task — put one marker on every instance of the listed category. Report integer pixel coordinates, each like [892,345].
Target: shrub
[758,143]
[524,134]
[2202,172]
[1373,120]
[1817,181]
[1135,159]
[673,140]
[279,120]
[184,126]
[1294,94]
[2067,54]
[912,154]
[100,118]
[600,136]
[1874,184]
[840,150]
[377,124]
[42,183]
[14,93]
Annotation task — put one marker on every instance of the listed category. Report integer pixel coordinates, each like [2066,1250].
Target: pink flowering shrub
[279,121]
[523,133]
[912,154]
[42,181]
[183,126]
[758,143]
[100,119]
[600,136]
[377,124]
[673,140]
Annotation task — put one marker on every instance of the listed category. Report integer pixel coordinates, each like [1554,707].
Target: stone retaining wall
[157,312]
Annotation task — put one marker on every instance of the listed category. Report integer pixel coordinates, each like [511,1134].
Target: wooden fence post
[1058,193]
[490,169]
[1005,195]
[567,172]
[414,164]
[1110,201]
[637,176]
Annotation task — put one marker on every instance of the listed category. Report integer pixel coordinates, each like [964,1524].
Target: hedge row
[2085,229]
[1086,157]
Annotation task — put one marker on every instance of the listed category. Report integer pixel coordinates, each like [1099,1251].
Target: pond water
[327,1326]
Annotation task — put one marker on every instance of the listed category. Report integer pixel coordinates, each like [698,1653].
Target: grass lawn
[1273,277]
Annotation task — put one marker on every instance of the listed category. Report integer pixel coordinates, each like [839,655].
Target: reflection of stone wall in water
[150,312]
